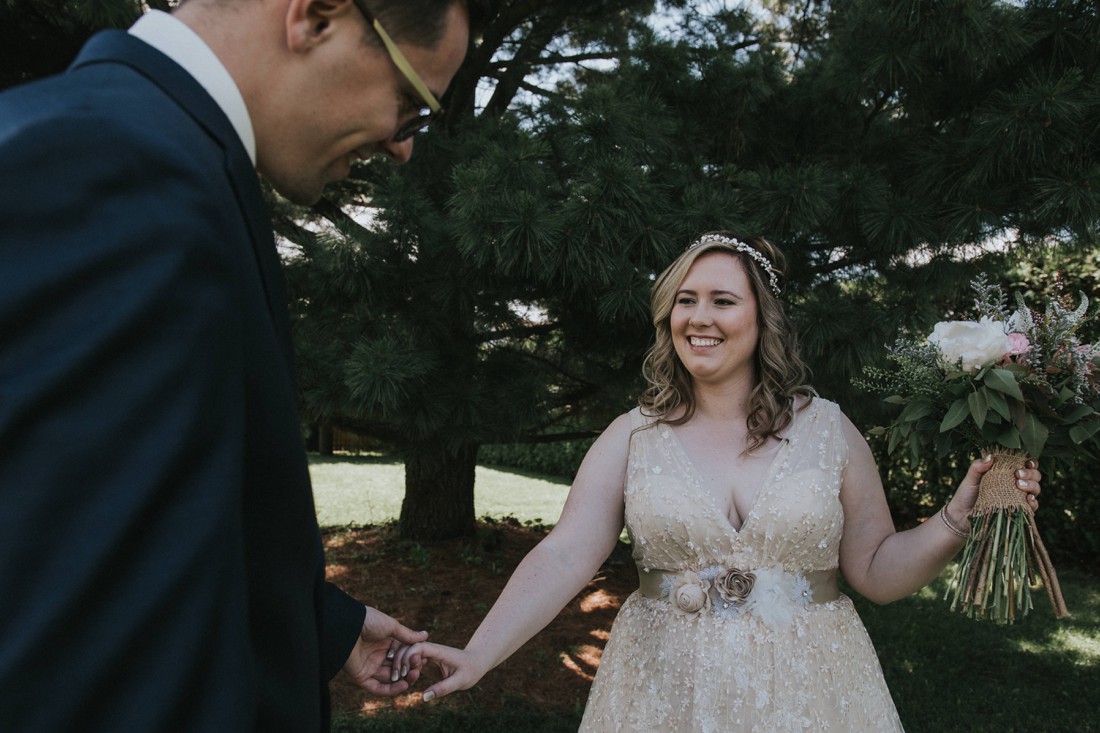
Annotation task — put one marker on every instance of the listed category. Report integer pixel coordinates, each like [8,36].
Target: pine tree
[874,142]
[41,37]
[503,285]
[496,288]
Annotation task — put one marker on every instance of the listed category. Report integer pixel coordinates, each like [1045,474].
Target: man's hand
[371,661]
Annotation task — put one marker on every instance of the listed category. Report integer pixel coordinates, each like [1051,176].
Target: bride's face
[713,320]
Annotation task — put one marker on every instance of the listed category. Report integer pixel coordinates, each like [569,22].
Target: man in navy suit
[161,567]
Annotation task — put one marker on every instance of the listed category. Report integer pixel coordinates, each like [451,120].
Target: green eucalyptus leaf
[895,399]
[895,437]
[991,433]
[1019,413]
[1083,431]
[979,406]
[1010,438]
[915,410]
[1079,412]
[1034,436]
[914,447]
[998,403]
[955,415]
[1003,380]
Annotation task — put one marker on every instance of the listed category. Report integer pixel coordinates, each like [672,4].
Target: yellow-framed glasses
[434,109]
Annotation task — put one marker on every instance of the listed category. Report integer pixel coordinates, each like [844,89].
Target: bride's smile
[714,319]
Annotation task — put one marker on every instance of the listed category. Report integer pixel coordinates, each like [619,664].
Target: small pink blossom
[1018,343]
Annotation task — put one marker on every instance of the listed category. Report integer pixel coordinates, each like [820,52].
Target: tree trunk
[324,439]
[439,493]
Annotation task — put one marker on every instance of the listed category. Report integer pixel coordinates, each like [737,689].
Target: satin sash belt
[823,583]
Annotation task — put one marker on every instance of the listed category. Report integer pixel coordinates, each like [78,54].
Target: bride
[743,494]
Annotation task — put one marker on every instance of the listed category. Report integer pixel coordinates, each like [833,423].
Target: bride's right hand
[459,667]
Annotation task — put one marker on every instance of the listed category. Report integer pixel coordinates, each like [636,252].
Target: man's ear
[309,22]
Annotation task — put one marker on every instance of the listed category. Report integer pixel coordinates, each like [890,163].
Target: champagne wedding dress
[739,630]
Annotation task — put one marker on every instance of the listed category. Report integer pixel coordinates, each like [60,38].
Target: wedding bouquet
[1014,383]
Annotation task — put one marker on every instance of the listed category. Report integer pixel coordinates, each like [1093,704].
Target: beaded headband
[737,244]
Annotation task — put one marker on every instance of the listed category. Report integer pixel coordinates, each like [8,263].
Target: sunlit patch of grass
[367,490]
[1085,649]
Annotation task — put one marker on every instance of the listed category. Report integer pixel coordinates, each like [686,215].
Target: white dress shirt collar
[178,42]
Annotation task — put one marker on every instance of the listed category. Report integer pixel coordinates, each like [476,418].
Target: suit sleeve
[120,551]
[343,620]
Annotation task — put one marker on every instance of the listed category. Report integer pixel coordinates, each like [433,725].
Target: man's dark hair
[420,22]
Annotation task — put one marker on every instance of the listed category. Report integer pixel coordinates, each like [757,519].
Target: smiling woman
[754,268]
[713,322]
[744,494]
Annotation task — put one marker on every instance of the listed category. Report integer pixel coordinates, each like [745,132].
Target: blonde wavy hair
[781,375]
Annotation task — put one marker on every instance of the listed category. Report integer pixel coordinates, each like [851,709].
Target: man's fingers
[407,636]
[387,689]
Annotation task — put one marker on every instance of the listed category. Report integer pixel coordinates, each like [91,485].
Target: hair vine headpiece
[760,257]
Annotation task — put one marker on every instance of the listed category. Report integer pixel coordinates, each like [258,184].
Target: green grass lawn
[366,490]
[950,673]
[946,672]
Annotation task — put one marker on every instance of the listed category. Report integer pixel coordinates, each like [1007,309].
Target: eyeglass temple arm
[406,68]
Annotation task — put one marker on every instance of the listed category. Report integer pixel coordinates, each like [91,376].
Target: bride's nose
[699,318]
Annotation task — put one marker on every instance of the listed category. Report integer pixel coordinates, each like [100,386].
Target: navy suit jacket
[161,567]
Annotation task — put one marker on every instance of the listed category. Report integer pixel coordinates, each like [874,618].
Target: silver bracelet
[957,531]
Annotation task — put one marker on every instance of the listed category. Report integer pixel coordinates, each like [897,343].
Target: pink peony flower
[1018,343]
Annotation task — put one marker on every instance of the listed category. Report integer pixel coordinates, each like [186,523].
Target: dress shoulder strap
[819,431]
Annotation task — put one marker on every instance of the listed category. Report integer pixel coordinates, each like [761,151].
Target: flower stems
[997,571]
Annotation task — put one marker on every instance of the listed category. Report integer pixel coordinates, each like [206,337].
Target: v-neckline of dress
[765,484]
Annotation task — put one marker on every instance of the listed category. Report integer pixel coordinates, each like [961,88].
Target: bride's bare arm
[551,574]
[883,564]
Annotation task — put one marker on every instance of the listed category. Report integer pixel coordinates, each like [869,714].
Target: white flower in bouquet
[970,344]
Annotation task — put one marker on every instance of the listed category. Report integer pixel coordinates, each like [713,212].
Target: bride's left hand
[1028,480]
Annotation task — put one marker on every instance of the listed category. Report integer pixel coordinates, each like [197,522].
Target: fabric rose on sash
[734,586]
[689,594]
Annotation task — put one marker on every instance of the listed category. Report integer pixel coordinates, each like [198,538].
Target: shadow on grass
[948,672]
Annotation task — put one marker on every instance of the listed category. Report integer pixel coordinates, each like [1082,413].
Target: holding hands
[377,662]
[460,668]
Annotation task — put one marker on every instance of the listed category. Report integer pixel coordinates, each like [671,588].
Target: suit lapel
[121,48]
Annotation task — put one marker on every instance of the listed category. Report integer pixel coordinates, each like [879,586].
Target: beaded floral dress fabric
[738,630]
